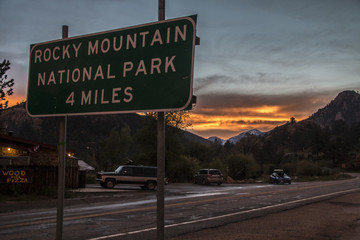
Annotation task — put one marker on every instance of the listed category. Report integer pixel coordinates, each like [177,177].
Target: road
[127,212]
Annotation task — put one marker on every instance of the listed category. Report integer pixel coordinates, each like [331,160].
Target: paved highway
[130,213]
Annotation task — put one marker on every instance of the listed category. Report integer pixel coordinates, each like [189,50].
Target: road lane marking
[201,201]
[225,215]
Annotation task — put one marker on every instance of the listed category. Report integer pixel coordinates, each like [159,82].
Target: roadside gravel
[333,219]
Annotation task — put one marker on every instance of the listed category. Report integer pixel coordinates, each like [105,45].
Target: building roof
[29,142]
[83,166]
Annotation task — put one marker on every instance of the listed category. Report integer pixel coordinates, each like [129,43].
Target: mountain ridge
[345,106]
[238,137]
[83,131]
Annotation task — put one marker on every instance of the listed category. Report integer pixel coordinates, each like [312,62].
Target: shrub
[307,168]
[289,168]
[182,169]
[242,167]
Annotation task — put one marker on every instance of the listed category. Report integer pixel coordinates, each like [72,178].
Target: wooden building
[32,166]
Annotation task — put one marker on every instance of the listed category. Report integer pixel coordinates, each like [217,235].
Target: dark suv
[144,176]
[279,176]
[207,176]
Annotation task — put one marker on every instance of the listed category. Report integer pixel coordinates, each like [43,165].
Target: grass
[338,176]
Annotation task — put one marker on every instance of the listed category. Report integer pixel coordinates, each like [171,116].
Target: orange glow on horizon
[14,100]
[267,109]
[232,121]
[224,122]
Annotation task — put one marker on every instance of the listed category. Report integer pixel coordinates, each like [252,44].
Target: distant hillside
[82,131]
[346,107]
[195,138]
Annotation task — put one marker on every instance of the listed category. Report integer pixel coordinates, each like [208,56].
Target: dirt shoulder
[337,218]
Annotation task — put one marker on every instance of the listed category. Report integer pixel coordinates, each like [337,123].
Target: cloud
[230,114]
[259,62]
[258,122]
[299,102]
[257,83]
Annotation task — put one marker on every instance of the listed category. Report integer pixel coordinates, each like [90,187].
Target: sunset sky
[260,62]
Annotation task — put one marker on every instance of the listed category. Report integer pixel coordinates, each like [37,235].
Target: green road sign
[136,69]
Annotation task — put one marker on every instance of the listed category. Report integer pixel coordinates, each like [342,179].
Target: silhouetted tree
[5,84]
[292,120]
[115,148]
[242,166]
[146,143]
[174,119]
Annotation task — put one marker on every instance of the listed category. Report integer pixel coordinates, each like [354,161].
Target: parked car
[144,176]
[207,176]
[279,176]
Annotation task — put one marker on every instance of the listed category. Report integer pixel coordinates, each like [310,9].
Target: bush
[307,168]
[290,168]
[182,169]
[242,167]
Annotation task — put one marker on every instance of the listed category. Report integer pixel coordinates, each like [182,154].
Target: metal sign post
[160,208]
[61,165]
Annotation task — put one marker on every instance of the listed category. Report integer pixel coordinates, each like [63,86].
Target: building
[32,166]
